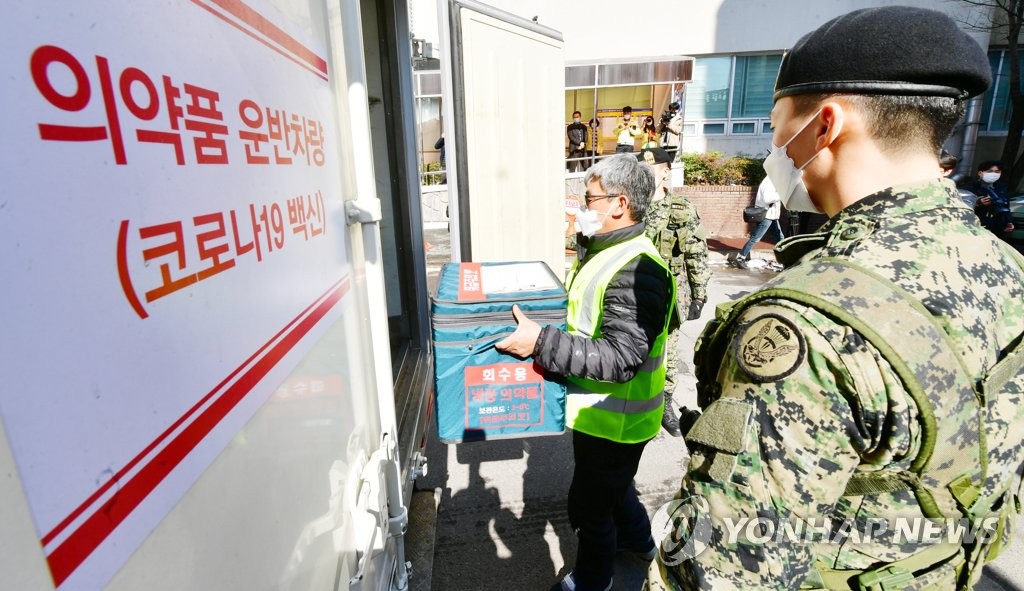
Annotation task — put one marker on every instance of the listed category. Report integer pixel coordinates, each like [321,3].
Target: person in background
[947,163]
[674,226]
[768,198]
[947,166]
[650,134]
[878,379]
[993,206]
[443,178]
[595,136]
[577,134]
[626,131]
[671,127]
[439,145]
[621,298]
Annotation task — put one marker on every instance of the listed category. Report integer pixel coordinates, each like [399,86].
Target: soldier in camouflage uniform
[674,227]
[880,377]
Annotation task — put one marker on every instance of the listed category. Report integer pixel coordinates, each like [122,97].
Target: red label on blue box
[470,288]
[503,395]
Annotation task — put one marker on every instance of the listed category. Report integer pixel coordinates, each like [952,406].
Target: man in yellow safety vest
[621,295]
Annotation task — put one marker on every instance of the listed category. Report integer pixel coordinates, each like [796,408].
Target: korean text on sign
[503,395]
[219,238]
[161,110]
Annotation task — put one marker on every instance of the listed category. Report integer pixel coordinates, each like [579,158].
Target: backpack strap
[921,354]
[950,471]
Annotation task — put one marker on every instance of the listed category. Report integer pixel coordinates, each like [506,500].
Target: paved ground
[501,522]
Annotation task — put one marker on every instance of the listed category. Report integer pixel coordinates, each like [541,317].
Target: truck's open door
[503,80]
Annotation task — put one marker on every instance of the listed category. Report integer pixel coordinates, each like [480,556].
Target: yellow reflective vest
[627,412]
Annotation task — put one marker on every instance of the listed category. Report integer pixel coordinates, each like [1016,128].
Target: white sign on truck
[184,346]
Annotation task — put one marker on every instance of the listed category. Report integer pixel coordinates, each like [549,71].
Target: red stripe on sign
[71,552]
[270,31]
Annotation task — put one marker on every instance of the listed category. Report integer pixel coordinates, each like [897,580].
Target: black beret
[897,50]
[654,156]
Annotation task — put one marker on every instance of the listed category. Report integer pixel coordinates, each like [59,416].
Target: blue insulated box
[479,392]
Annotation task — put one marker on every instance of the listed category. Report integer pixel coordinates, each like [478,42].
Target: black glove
[695,307]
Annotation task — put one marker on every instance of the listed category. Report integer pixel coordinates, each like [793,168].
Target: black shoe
[669,421]
[741,264]
[568,583]
[646,553]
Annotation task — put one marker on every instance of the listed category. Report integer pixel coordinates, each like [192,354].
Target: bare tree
[1005,18]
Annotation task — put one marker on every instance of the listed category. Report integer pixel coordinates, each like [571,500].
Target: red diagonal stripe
[84,540]
[257,21]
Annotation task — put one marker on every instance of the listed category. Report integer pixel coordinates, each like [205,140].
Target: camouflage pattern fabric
[674,226]
[798,403]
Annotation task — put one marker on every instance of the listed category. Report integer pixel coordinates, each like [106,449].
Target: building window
[730,88]
[707,97]
[754,84]
[995,112]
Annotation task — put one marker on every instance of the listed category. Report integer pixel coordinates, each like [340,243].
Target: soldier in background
[879,379]
[674,227]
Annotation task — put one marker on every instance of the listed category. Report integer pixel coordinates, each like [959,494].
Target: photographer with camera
[625,131]
[650,134]
[671,127]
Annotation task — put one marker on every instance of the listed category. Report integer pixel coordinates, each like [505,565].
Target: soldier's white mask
[787,178]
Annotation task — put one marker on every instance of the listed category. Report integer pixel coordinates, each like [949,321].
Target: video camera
[667,116]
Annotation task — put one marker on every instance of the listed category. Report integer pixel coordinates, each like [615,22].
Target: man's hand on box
[522,342]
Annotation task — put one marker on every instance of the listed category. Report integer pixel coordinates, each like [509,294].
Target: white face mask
[788,179]
[575,119]
[590,221]
[627,117]
[990,177]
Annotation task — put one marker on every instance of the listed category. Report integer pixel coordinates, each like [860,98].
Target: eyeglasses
[587,197]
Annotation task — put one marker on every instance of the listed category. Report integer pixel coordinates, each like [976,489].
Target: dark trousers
[758,234]
[577,165]
[603,507]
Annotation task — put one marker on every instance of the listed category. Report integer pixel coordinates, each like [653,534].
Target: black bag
[754,215]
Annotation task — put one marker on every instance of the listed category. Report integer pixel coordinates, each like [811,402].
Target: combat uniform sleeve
[802,402]
[695,249]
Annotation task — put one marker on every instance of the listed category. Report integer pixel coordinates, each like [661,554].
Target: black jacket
[996,215]
[577,133]
[636,304]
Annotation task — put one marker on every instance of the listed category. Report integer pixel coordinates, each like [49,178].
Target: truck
[216,352]
[218,375]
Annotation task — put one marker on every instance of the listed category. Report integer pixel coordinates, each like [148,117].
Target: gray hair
[622,174]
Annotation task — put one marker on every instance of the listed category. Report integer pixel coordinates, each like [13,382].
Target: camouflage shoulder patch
[769,348]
